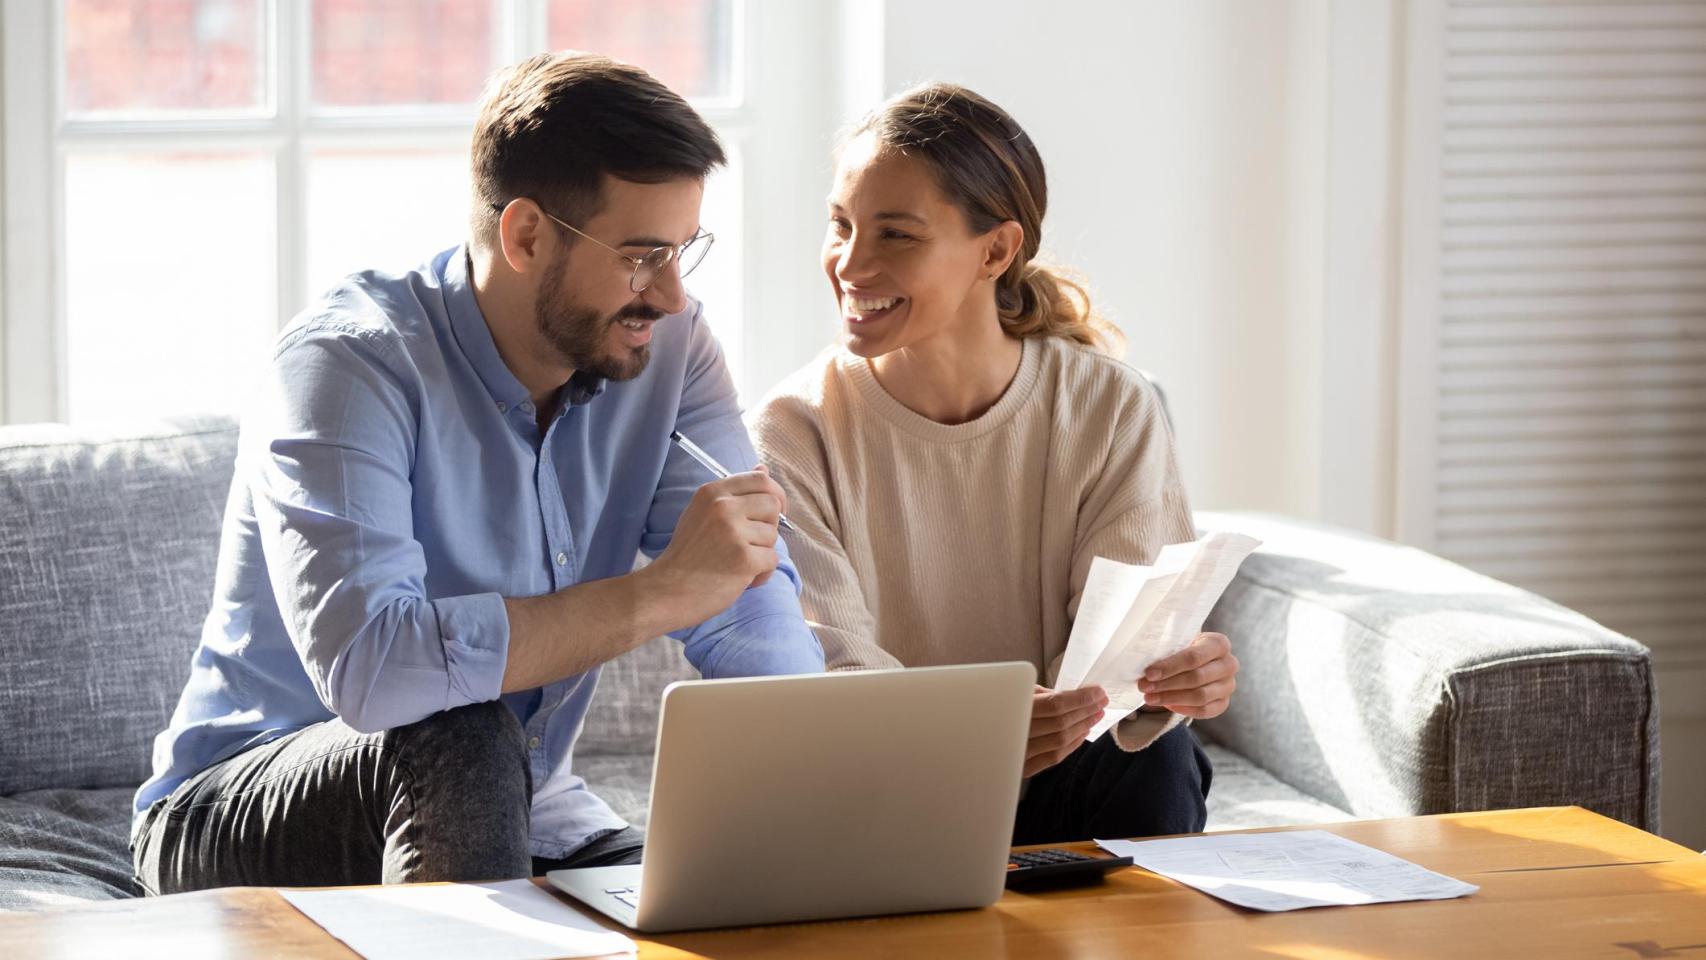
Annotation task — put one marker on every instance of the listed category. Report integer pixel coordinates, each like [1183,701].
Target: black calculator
[1055,867]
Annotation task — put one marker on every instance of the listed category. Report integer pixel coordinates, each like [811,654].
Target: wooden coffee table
[1555,882]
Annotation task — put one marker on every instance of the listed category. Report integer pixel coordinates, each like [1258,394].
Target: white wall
[790,314]
[1185,144]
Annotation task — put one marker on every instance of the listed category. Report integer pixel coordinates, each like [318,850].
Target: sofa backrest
[1390,682]
[107,548]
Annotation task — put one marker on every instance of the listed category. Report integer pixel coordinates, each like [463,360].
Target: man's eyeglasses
[655,261]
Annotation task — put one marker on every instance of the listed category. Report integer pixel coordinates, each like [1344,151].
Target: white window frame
[763,114]
[1417,410]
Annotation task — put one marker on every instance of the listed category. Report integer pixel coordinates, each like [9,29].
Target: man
[429,543]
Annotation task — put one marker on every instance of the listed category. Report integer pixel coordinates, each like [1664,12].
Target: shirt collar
[582,387]
[474,336]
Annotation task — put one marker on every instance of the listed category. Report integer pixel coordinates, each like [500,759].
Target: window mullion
[292,52]
[526,29]
[31,359]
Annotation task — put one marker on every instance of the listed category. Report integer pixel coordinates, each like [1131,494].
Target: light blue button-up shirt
[392,487]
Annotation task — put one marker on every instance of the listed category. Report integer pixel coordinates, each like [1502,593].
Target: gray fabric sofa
[1378,680]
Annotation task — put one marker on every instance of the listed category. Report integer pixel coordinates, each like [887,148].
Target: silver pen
[705,460]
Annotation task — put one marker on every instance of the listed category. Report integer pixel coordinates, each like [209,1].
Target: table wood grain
[1555,882]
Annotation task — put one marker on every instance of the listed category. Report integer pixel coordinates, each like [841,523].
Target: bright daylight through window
[218,163]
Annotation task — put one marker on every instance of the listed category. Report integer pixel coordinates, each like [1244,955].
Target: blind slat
[1596,17]
[1570,449]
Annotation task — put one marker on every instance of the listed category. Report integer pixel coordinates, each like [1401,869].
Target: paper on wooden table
[1288,870]
[510,920]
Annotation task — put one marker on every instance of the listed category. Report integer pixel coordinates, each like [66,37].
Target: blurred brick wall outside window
[684,45]
[372,52]
[210,55]
[163,55]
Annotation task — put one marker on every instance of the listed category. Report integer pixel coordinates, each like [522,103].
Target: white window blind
[1568,286]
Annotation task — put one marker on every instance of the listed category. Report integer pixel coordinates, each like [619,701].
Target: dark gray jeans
[1103,791]
[443,799]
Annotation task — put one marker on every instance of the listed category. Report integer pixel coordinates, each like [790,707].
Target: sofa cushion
[623,781]
[107,548]
[1244,796]
[62,846]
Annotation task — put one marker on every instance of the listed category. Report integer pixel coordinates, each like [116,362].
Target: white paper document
[1289,870]
[512,920]
[1131,616]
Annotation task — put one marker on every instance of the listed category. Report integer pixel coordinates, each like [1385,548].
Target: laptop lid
[779,799]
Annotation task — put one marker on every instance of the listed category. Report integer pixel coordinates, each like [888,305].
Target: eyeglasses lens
[657,261]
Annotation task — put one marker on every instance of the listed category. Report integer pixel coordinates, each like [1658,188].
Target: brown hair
[550,128]
[988,167]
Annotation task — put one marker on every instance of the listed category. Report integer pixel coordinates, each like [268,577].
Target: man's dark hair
[552,126]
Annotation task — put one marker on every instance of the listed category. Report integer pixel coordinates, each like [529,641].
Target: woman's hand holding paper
[1196,682]
[1060,720]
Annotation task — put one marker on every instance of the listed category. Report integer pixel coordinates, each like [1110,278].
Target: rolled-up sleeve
[763,632]
[331,458]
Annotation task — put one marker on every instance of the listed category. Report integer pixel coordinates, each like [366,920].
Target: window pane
[169,281]
[142,56]
[382,210]
[717,282]
[684,43]
[400,52]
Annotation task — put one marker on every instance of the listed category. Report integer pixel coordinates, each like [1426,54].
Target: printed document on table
[511,920]
[1131,616]
[1288,870]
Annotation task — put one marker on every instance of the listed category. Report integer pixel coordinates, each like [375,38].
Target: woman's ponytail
[1038,300]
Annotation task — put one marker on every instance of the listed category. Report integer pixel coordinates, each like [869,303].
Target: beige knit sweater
[922,543]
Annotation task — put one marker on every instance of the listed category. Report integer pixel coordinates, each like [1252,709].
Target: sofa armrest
[1390,682]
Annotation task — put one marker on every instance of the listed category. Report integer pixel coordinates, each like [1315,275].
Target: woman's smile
[864,308]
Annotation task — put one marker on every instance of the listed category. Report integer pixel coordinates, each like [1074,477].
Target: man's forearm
[573,630]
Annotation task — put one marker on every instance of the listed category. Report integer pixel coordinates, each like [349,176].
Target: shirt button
[533,744]
[503,407]
[562,558]
[525,407]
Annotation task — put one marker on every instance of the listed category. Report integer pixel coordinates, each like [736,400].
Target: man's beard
[577,333]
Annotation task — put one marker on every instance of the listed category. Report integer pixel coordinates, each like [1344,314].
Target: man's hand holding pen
[724,543]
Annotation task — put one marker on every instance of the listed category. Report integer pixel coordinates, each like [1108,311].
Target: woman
[957,464]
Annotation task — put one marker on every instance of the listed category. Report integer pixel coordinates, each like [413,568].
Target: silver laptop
[780,799]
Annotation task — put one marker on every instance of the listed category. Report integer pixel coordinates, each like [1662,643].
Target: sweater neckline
[858,370]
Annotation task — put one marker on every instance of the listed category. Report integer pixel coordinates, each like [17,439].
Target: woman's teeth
[872,305]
